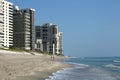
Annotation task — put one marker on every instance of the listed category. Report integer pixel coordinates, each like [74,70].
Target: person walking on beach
[52,57]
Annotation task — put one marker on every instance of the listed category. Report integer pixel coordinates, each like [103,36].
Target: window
[37,34]
[45,30]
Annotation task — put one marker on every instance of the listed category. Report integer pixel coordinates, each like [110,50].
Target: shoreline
[42,75]
[24,66]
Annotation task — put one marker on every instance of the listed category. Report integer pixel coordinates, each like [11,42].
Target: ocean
[90,68]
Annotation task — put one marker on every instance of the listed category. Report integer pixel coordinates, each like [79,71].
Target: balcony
[1,13]
[27,19]
[10,21]
[11,39]
[27,33]
[10,31]
[10,34]
[10,43]
[1,22]
[10,17]
[27,41]
[27,28]
[27,22]
[11,10]
[27,16]
[10,28]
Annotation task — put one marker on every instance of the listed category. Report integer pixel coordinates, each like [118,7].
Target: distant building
[51,38]
[24,29]
[6,24]
[60,42]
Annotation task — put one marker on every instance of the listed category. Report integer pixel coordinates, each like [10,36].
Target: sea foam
[112,66]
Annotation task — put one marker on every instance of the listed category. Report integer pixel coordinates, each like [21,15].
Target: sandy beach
[24,66]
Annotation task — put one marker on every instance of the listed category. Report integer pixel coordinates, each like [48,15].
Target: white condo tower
[6,24]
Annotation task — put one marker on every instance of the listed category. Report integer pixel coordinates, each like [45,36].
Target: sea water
[90,68]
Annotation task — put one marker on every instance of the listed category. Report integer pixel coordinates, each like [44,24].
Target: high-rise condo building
[6,24]
[24,29]
[49,38]
[1,24]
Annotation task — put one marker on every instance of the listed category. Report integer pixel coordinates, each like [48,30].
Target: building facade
[6,24]
[1,24]
[51,38]
[60,42]
[24,29]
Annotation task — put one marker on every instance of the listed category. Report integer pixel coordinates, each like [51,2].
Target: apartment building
[60,46]
[6,24]
[24,29]
[1,24]
[51,38]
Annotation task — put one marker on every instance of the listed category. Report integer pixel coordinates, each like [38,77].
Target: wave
[66,73]
[112,66]
[83,74]
[105,69]
[116,61]
[78,65]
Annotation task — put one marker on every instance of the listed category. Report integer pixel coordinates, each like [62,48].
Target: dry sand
[24,66]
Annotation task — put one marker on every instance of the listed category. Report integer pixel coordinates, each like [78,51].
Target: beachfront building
[51,38]
[1,24]
[60,42]
[6,24]
[24,29]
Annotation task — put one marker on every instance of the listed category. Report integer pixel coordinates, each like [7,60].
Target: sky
[91,28]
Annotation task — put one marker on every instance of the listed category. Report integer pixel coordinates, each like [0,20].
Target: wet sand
[24,66]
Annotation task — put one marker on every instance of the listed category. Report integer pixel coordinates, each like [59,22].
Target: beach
[26,66]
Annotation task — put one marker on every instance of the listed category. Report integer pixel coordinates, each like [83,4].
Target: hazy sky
[90,27]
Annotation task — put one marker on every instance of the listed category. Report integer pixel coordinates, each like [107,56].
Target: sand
[24,66]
